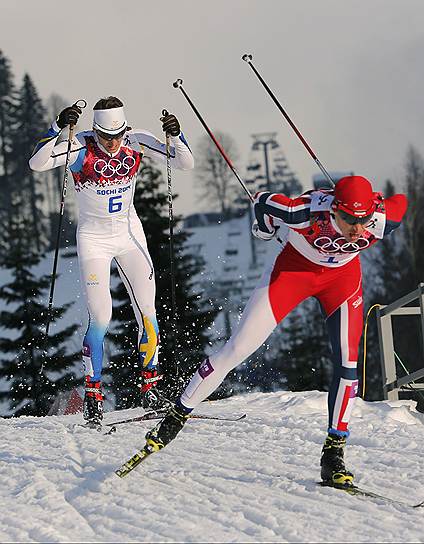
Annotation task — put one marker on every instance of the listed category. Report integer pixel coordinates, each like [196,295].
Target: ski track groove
[76,459]
[41,488]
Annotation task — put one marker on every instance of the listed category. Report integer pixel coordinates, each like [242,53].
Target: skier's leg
[256,325]
[137,274]
[344,323]
[281,289]
[95,278]
[138,277]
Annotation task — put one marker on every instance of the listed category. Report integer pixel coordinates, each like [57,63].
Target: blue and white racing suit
[109,228]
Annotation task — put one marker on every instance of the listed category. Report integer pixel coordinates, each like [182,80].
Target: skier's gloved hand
[68,116]
[266,236]
[170,124]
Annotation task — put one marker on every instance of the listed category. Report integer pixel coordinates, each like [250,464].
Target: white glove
[266,236]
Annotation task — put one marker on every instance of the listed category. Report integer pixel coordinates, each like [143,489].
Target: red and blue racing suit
[317,261]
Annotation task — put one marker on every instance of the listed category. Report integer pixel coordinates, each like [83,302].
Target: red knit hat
[354,195]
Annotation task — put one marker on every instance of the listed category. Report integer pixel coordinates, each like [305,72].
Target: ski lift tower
[265,141]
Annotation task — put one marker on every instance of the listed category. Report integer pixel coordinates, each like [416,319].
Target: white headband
[111,121]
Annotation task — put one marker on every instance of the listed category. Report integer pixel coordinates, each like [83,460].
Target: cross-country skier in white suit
[104,163]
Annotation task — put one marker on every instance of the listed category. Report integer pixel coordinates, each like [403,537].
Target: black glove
[69,116]
[170,124]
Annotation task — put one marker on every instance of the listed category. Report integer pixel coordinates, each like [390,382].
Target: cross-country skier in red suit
[327,231]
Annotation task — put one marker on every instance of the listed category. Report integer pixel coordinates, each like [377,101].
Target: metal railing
[391,383]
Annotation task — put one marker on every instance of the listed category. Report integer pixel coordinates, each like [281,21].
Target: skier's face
[350,232]
[111,145]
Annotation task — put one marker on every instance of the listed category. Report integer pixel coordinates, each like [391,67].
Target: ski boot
[168,428]
[93,403]
[333,470]
[152,399]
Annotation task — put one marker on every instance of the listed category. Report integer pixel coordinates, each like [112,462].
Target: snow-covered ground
[249,481]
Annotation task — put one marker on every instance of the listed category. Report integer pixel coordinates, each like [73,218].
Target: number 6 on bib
[115,204]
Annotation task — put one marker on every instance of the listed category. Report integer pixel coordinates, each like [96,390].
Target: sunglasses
[110,137]
[353,220]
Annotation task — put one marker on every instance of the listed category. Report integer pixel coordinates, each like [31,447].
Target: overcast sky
[349,72]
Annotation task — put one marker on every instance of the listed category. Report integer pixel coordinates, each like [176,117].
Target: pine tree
[37,368]
[395,269]
[28,124]
[414,219]
[305,360]
[183,339]
[7,99]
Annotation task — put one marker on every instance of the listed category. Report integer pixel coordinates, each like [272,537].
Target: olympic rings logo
[339,245]
[114,167]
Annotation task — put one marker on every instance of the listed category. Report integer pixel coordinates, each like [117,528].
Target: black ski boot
[333,470]
[93,403]
[167,429]
[152,399]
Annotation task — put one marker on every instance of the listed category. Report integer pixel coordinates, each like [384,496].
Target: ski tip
[135,460]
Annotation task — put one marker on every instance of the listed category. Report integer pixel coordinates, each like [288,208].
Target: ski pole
[81,104]
[248,59]
[179,85]
[171,218]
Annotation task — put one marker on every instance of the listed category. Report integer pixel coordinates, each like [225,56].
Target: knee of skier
[232,354]
[99,316]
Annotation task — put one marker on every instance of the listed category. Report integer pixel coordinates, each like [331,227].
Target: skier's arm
[48,154]
[181,156]
[396,207]
[294,212]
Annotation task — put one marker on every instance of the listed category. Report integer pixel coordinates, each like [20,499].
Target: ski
[141,455]
[135,460]
[161,413]
[218,418]
[153,414]
[359,491]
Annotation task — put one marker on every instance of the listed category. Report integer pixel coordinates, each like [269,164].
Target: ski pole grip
[247,58]
[81,103]
[177,84]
